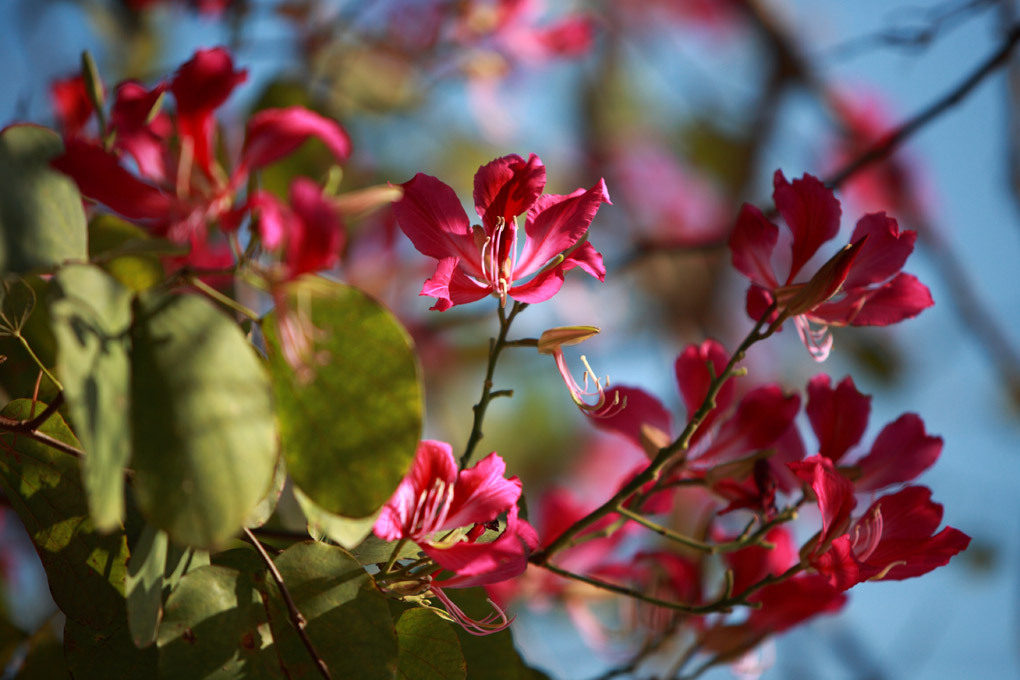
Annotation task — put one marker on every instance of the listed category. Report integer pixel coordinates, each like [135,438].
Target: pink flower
[475,261]
[861,285]
[71,104]
[894,539]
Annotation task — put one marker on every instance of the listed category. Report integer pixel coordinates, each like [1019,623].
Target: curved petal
[275,133]
[902,298]
[812,213]
[272,221]
[834,493]
[762,416]
[451,286]
[753,239]
[477,564]
[884,253]
[556,223]
[507,186]
[540,288]
[101,177]
[432,217]
[133,107]
[838,415]
[902,451]
[587,258]
[482,493]
[71,104]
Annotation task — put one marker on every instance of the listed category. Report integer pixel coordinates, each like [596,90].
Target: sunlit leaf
[91,316]
[145,586]
[41,219]
[128,253]
[348,621]
[429,649]
[346,531]
[350,424]
[85,569]
[214,628]
[202,420]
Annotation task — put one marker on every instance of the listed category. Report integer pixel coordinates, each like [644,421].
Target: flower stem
[496,346]
[224,300]
[38,362]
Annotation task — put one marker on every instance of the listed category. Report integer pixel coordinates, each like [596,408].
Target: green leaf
[346,531]
[19,372]
[214,628]
[45,658]
[91,316]
[374,550]
[128,253]
[106,655]
[202,420]
[42,223]
[348,621]
[349,426]
[261,513]
[85,569]
[145,586]
[17,300]
[429,649]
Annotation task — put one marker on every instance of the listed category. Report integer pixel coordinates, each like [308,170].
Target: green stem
[38,362]
[666,533]
[224,300]
[393,555]
[665,454]
[495,347]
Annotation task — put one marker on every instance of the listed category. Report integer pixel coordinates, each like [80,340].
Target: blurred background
[686,107]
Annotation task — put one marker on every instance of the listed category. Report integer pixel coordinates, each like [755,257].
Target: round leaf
[429,649]
[202,420]
[41,219]
[351,419]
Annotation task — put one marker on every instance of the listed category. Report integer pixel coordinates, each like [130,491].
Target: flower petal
[901,452]
[275,133]
[433,462]
[451,286]
[834,492]
[100,177]
[555,223]
[838,415]
[432,217]
[812,213]
[753,239]
[540,288]
[884,253]
[693,379]
[902,298]
[507,186]
[587,258]
[482,493]
[642,410]
[317,236]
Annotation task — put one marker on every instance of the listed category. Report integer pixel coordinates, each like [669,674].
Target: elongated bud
[362,201]
[554,338]
[827,280]
[93,84]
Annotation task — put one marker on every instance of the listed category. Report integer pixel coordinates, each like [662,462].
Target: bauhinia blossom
[475,261]
[552,342]
[446,512]
[861,285]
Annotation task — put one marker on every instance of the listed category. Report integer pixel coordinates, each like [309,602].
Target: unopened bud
[827,280]
[554,338]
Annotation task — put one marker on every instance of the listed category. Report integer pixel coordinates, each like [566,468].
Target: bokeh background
[686,107]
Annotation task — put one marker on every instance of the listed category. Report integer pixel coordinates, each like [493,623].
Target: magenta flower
[445,512]
[861,285]
[475,261]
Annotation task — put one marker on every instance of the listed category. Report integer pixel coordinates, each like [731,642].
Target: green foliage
[85,568]
[429,649]
[29,327]
[345,531]
[493,657]
[202,420]
[127,253]
[348,620]
[91,316]
[349,431]
[41,219]
[106,655]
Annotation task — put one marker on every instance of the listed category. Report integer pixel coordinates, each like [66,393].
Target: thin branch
[296,618]
[496,346]
[890,142]
[30,428]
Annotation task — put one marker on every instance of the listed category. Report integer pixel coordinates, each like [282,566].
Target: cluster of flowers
[746,451]
[180,191]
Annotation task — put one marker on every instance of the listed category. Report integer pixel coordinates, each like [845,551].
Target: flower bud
[554,338]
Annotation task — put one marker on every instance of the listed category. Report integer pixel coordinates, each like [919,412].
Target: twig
[30,428]
[296,617]
[890,142]
[666,453]
[495,347]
